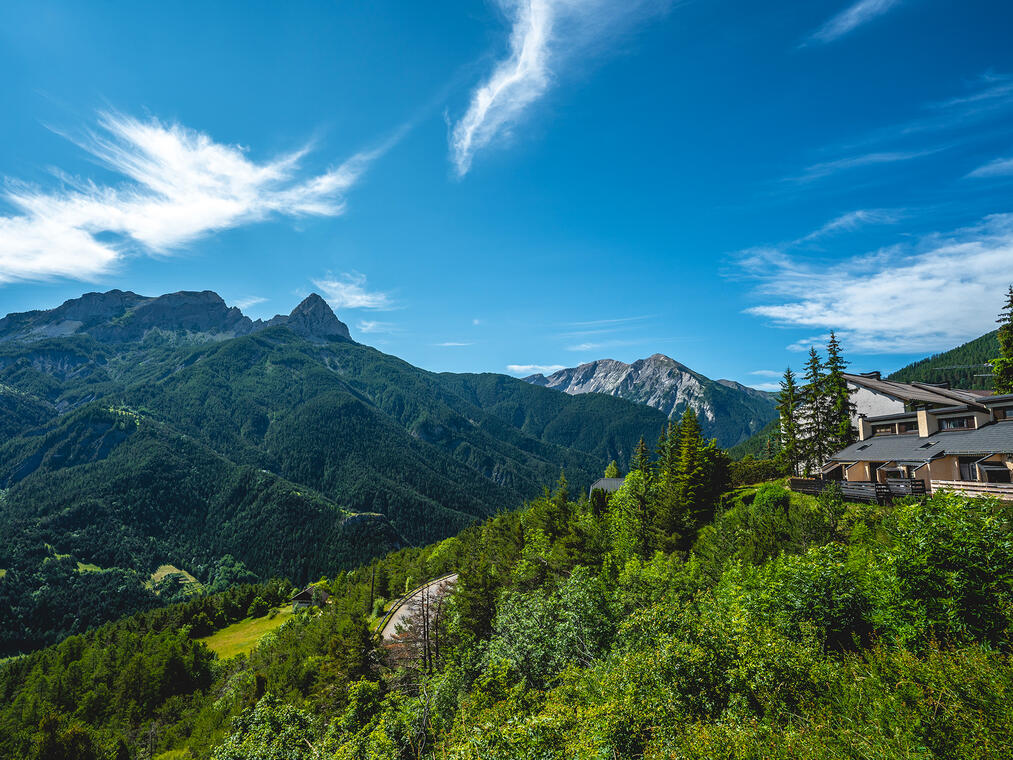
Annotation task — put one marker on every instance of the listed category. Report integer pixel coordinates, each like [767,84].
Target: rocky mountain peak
[121,316]
[314,319]
[726,410]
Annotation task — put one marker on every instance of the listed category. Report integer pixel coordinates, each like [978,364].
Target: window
[968,468]
[1003,414]
[908,427]
[956,423]
[882,429]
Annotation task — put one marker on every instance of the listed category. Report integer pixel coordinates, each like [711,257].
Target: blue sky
[516,184]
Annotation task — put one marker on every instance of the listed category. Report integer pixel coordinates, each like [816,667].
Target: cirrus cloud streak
[544,35]
[178,185]
[933,295]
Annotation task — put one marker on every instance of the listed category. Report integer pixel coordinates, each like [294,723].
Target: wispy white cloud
[850,19]
[769,387]
[766,373]
[373,326]
[530,369]
[476,321]
[609,322]
[753,260]
[348,291]
[991,87]
[603,344]
[1000,167]
[854,220]
[248,301]
[544,35]
[178,185]
[826,168]
[455,344]
[927,296]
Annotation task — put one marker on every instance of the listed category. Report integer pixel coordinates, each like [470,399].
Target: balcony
[975,488]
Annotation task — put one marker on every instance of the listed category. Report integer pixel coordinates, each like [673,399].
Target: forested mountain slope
[795,629]
[965,366]
[131,442]
[727,411]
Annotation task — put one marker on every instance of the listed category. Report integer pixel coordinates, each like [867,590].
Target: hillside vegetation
[242,637]
[965,366]
[290,451]
[666,621]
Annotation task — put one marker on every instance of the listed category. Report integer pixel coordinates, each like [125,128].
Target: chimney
[864,428]
[927,423]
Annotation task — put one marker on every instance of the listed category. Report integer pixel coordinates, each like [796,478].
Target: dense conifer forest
[965,366]
[293,456]
[673,618]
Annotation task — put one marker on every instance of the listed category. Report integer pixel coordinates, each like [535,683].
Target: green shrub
[258,608]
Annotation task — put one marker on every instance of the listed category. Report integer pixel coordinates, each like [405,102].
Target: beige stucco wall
[860,471]
[945,468]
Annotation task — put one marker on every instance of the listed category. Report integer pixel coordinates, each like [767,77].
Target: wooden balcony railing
[852,490]
[975,488]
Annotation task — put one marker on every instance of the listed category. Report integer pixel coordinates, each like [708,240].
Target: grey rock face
[726,410]
[313,319]
[119,317]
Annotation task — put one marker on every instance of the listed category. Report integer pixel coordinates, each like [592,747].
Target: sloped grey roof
[996,438]
[991,439]
[607,484]
[887,448]
[902,416]
[958,394]
[907,391]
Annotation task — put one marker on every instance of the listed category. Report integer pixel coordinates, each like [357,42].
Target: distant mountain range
[137,432]
[728,411]
[118,316]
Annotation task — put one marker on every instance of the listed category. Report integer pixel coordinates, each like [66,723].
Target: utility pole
[372,584]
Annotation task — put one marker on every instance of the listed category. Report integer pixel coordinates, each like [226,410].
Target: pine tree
[689,489]
[840,432]
[815,429]
[1002,368]
[667,469]
[612,471]
[788,403]
[667,455]
[641,459]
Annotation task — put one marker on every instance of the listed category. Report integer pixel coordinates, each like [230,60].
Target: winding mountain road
[398,614]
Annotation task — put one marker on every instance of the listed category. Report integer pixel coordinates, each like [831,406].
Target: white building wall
[872,404]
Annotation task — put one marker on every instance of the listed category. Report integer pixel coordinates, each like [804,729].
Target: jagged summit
[121,316]
[727,410]
[313,318]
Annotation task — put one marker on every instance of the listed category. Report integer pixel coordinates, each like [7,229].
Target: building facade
[969,442]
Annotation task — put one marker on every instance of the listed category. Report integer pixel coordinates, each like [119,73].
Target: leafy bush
[258,608]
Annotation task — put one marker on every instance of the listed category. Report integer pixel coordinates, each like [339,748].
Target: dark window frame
[951,423]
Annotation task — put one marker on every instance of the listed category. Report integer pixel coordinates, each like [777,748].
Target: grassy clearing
[88,567]
[164,570]
[2,572]
[242,637]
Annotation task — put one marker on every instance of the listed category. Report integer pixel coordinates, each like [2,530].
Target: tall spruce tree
[612,471]
[815,429]
[1002,367]
[641,459]
[788,407]
[666,474]
[689,485]
[840,432]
